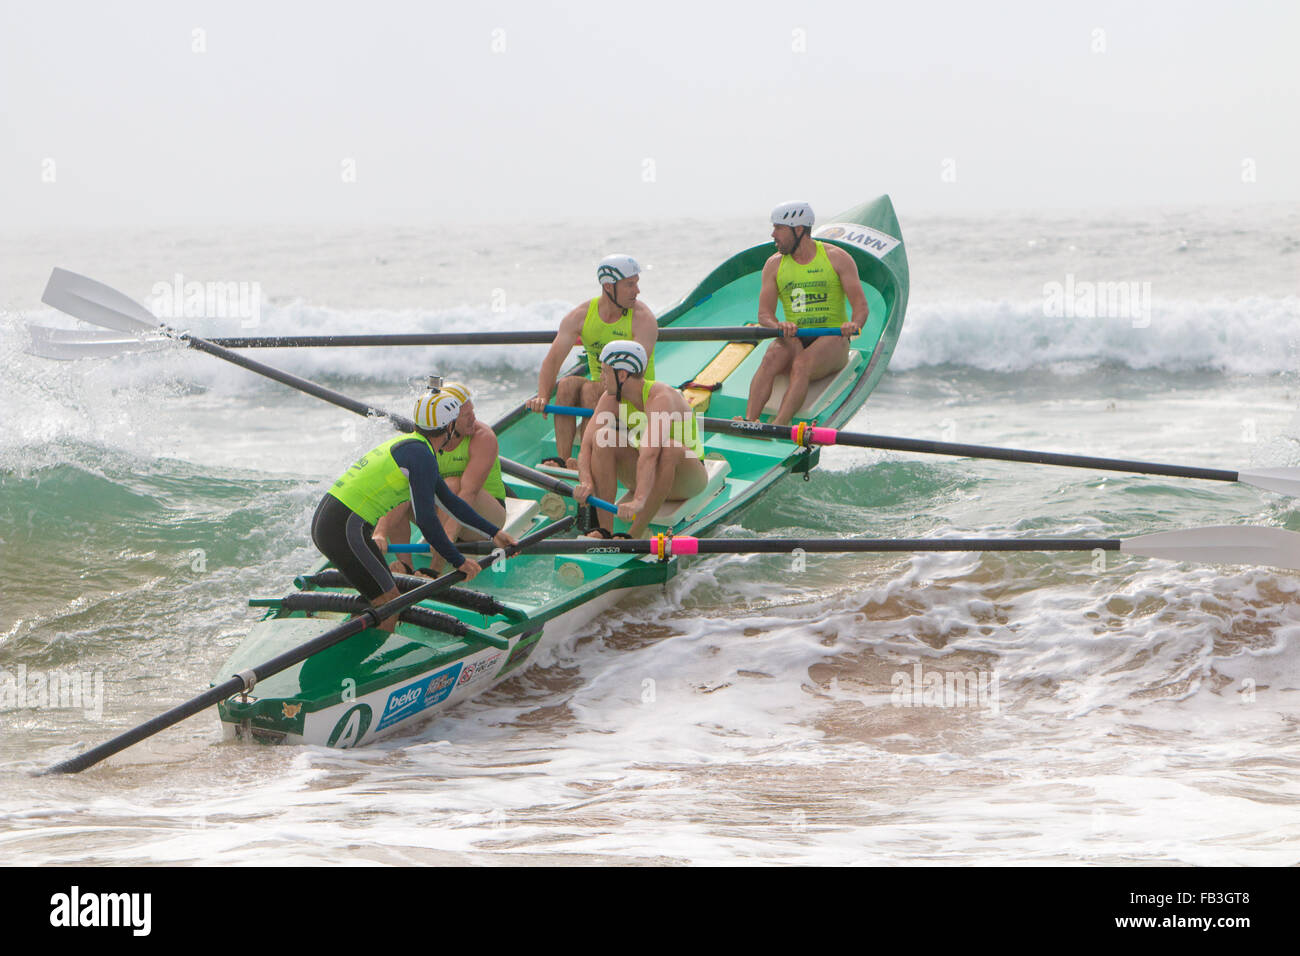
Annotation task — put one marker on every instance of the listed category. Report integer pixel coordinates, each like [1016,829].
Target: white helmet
[793,214]
[626,355]
[613,268]
[459,390]
[436,411]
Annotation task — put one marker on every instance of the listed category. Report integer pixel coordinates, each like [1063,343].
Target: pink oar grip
[685,544]
[824,436]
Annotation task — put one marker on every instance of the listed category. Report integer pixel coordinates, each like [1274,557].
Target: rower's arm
[847,270]
[767,296]
[605,407]
[421,468]
[566,339]
[645,328]
[647,463]
[647,458]
[462,511]
[483,450]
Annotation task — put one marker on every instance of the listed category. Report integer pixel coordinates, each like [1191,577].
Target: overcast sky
[182,113]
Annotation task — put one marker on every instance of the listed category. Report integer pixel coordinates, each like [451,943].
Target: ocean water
[951,708]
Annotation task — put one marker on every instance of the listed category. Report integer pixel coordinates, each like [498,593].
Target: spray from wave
[1257,335]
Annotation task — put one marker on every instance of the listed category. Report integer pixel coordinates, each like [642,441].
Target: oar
[1220,544]
[95,302]
[1282,480]
[67,344]
[71,344]
[244,682]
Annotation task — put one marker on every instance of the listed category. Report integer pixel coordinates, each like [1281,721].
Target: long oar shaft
[542,480]
[679,545]
[538,478]
[92,301]
[1217,544]
[370,617]
[817,435]
[293,381]
[68,344]
[741,333]
[830,436]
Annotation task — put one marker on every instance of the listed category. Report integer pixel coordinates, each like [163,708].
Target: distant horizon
[1044,212]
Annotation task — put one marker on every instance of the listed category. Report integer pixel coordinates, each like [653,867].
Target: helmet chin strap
[618,383]
[608,290]
[799,238]
[447,435]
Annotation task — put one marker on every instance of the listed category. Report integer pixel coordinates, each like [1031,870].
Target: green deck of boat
[534,586]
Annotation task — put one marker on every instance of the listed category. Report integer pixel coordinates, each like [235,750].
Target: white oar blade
[1285,481]
[1221,544]
[69,344]
[96,303]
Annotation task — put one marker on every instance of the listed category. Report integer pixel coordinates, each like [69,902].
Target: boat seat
[519,516]
[820,392]
[675,511]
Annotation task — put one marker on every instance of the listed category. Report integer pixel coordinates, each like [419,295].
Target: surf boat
[465,641]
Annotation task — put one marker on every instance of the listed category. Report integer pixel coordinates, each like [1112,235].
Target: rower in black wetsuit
[402,468]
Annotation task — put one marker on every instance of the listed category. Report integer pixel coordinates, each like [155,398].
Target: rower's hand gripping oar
[244,682]
[94,302]
[1284,481]
[1219,544]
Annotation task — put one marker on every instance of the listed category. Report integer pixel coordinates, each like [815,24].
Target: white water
[1144,712]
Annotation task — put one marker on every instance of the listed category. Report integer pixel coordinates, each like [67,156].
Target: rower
[470,462]
[616,313]
[811,280]
[644,434]
[402,468]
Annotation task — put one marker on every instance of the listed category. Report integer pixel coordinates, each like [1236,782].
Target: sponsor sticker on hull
[479,670]
[878,243]
[425,693]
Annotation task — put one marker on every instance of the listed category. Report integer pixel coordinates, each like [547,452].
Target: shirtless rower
[811,280]
[616,313]
[642,433]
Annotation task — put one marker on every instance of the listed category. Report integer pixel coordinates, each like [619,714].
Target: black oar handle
[248,679]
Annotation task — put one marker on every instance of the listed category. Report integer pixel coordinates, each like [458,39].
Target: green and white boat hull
[374,685]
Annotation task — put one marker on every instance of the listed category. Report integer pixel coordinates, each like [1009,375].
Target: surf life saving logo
[479,670]
[877,243]
[423,694]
